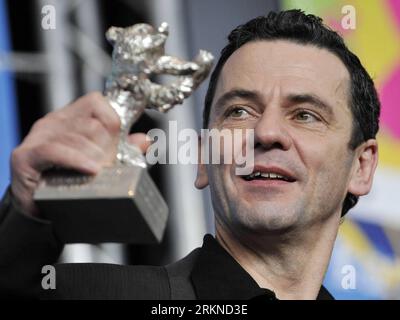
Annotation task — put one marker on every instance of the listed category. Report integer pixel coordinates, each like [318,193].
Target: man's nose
[271,130]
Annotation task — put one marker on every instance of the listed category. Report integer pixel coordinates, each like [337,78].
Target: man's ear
[202,176]
[364,168]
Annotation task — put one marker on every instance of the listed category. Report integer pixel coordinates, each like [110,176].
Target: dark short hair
[308,29]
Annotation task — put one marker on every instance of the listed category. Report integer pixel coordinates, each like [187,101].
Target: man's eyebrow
[311,99]
[237,93]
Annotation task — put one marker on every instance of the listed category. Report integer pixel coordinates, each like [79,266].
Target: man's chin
[267,220]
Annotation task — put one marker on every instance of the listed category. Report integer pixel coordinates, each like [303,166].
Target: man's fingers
[93,130]
[141,140]
[50,155]
[83,136]
[96,105]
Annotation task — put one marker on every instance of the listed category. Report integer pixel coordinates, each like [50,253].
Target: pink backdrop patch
[390,99]
[394,7]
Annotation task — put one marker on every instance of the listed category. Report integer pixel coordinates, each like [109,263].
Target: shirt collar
[216,275]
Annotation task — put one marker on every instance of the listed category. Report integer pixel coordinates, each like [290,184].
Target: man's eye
[237,113]
[305,116]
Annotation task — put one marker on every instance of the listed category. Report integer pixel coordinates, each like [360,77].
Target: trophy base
[120,204]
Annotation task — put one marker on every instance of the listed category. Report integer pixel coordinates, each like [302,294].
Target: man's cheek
[216,176]
[333,170]
[218,147]
[230,146]
[243,150]
[221,186]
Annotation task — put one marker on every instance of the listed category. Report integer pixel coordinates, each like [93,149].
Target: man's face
[295,97]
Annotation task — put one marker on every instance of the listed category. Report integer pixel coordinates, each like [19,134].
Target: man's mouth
[269,174]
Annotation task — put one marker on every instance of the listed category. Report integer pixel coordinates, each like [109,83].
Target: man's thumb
[141,140]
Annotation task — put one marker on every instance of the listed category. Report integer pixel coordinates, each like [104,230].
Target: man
[314,111]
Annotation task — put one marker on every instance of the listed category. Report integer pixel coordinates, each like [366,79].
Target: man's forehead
[260,65]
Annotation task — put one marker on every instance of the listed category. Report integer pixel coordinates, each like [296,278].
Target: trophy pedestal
[120,204]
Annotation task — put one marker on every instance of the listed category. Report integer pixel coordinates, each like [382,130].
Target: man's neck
[293,264]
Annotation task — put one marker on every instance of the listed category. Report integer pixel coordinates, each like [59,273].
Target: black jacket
[27,244]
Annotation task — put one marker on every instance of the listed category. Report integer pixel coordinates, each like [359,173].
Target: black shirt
[226,279]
